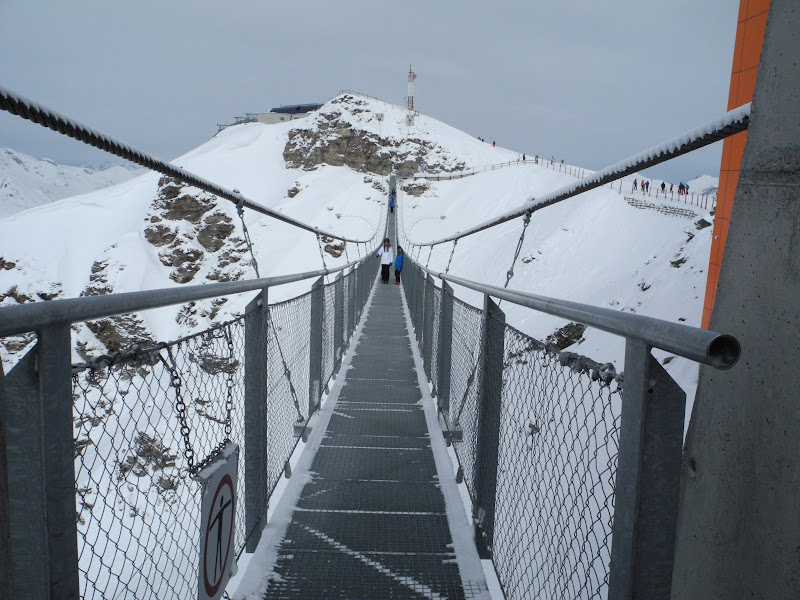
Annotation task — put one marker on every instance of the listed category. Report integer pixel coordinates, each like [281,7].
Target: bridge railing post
[488,443]
[315,346]
[419,300]
[427,348]
[338,321]
[445,348]
[40,452]
[647,479]
[255,418]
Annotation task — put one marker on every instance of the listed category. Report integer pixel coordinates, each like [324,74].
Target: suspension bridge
[401,402]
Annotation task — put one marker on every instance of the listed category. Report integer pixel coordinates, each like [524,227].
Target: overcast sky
[589,81]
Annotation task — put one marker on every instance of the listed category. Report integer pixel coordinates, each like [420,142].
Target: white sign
[218,523]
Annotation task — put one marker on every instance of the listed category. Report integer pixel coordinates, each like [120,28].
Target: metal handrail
[733,122]
[35,316]
[718,350]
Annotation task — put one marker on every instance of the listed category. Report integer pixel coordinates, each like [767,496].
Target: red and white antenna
[410,99]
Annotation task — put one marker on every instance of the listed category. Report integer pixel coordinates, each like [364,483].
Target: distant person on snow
[536,159]
[523,158]
[398,265]
[635,185]
[680,189]
[671,186]
[664,188]
[686,189]
[493,144]
[648,187]
[386,254]
[391,205]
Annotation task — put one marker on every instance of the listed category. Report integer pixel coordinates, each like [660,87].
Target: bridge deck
[372,522]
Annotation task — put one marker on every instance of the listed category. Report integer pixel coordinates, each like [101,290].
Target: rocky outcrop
[332,139]
[192,231]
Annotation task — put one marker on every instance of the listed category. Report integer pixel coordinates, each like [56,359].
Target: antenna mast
[410,99]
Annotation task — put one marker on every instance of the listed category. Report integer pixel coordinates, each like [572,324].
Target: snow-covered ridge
[26,182]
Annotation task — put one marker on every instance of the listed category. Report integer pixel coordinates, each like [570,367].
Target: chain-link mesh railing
[540,464]
[138,508]
[147,420]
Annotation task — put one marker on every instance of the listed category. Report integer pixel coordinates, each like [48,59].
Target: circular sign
[219,536]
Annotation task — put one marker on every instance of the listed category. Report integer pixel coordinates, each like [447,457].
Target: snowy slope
[330,169]
[26,182]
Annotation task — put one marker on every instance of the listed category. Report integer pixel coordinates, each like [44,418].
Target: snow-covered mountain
[330,169]
[26,182]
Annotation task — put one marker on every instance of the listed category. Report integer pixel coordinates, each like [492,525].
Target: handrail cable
[720,351]
[27,109]
[731,123]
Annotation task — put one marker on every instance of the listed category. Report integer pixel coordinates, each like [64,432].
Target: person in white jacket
[386,254]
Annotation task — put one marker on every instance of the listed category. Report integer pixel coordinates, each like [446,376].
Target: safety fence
[556,465]
[137,427]
[671,192]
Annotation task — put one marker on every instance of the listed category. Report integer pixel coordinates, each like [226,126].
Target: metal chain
[240,210]
[286,372]
[180,408]
[447,270]
[231,383]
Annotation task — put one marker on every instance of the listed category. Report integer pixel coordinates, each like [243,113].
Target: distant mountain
[26,182]
[706,185]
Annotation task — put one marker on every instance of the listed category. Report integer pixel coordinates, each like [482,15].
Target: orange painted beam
[746,56]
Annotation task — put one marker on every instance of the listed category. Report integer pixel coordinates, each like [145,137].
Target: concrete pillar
[739,523]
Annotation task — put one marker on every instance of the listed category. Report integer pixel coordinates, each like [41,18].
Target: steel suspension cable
[36,113]
[731,123]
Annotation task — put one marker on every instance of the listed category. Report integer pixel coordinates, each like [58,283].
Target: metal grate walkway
[371,522]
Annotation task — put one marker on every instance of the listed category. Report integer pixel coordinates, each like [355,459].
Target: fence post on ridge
[647,480]
[315,346]
[338,319]
[445,348]
[427,348]
[40,452]
[255,418]
[488,443]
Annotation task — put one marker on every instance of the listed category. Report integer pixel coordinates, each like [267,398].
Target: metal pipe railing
[708,347]
[35,316]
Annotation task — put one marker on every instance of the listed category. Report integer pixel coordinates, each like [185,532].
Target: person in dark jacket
[398,265]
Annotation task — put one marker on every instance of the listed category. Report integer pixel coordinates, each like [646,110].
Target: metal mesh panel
[136,506]
[328,359]
[287,379]
[559,438]
[437,308]
[465,370]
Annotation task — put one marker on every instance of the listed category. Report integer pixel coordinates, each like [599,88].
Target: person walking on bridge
[398,265]
[386,254]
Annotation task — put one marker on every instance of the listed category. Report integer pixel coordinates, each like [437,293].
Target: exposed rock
[98,282]
[14,293]
[335,250]
[6,265]
[17,343]
[120,332]
[415,189]
[566,336]
[160,235]
[293,191]
[216,229]
[702,224]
